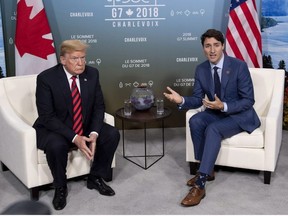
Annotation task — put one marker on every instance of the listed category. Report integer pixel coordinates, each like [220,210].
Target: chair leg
[110,176]
[267,177]
[34,193]
[193,167]
[4,167]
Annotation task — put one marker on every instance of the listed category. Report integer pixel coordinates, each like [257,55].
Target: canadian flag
[34,46]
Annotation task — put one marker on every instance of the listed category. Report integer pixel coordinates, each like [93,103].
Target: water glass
[160,106]
[127,107]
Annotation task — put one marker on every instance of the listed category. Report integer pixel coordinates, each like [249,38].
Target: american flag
[243,37]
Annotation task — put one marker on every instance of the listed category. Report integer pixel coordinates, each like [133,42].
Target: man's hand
[81,143]
[173,96]
[216,105]
[92,144]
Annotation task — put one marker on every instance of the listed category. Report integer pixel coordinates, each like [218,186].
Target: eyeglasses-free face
[74,62]
[75,59]
[213,50]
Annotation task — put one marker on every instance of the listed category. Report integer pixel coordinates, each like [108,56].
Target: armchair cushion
[245,140]
[241,140]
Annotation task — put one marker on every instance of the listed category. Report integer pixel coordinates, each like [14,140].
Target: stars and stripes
[243,36]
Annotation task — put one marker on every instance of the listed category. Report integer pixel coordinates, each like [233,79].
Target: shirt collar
[68,74]
[219,64]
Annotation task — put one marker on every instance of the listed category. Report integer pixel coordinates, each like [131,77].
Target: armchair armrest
[109,119]
[274,123]
[18,144]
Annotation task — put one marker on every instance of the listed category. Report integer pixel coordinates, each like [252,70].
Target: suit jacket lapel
[63,82]
[210,82]
[84,93]
[225,75]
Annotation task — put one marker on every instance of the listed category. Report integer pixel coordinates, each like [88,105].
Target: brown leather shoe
[194,196]
[192,181]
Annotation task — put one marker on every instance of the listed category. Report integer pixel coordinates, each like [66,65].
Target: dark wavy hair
[218,35]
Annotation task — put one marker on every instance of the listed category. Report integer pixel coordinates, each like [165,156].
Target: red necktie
[77,108]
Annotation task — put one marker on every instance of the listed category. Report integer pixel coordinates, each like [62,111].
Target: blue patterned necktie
[217,84]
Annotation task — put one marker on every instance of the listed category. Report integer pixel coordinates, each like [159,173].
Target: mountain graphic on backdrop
[274,7]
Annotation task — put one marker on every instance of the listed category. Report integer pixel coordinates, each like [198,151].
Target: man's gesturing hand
[173,96]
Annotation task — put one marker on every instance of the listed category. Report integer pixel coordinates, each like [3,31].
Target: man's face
[74,62]
[213,50]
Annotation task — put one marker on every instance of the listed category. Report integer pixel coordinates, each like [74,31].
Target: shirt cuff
[225,109]
[74,138]
[94,132]
[181,104]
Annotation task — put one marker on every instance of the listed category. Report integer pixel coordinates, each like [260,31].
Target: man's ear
[63,60]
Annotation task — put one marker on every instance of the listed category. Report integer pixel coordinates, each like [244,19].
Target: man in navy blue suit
[228,108]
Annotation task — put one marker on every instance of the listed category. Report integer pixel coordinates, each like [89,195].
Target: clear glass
[127,107]
[160,106]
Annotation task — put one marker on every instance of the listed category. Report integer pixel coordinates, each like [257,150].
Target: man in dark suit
[229,108]
[55,126]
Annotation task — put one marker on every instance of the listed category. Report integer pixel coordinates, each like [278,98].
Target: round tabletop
[143,115]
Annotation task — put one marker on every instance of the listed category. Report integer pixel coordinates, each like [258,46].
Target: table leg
[145,154]
[163,150]
[123,138]
[145,147]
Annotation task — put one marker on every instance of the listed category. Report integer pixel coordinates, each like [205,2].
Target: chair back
[20,92]
[264,82]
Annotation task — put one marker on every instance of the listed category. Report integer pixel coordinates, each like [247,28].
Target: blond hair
[69,46]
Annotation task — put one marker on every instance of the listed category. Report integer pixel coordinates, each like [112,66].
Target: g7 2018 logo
[135,13]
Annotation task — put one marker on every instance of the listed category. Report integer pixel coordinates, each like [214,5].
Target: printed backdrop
[156,42]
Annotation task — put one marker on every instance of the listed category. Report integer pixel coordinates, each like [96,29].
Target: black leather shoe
[99,184]
[59,200]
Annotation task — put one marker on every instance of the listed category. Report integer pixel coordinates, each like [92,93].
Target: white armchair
[260,149]
[18,150]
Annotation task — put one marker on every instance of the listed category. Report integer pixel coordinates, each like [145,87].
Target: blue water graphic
[275,41]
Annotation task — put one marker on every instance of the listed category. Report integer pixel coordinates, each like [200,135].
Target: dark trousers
[207,130]
[57,148]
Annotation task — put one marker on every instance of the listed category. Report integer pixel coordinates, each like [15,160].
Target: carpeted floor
[160,189]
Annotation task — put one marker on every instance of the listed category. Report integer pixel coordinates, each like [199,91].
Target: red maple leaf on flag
[29,32]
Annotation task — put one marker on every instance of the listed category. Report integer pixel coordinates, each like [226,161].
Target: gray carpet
[160,189]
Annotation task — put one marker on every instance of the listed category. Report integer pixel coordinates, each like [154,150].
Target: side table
[144,117]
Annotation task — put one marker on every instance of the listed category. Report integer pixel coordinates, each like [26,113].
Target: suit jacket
[236,90]
[54,103]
